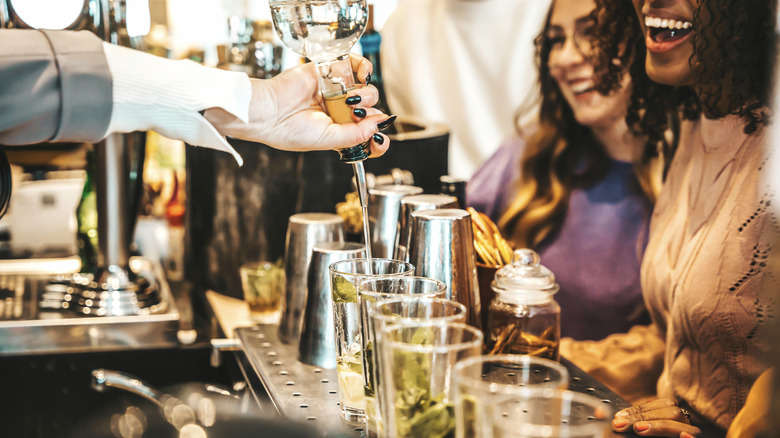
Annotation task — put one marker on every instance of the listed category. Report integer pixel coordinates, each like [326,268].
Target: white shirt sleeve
[153,93]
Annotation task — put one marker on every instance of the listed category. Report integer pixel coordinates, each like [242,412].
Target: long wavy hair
[563,155]
[734,51]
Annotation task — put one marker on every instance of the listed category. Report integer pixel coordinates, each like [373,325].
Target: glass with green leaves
[345,275]
[412,299]
[417,361]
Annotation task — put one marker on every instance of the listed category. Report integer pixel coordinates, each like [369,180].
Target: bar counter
[309,394]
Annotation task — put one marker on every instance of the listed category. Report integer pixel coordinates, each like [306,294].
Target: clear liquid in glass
[319,30]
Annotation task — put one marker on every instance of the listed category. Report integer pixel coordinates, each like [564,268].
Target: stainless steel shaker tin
[317,344]
[442,248]
[410,204]
[304,230]
[384,205]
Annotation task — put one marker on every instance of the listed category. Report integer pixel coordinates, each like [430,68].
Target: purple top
[596,254]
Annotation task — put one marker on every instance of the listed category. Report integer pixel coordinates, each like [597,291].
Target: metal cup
[304,230]
[442,248]
[317,345]
[384,204]
[410,204]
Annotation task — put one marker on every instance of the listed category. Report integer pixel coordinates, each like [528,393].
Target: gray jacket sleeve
[54,86]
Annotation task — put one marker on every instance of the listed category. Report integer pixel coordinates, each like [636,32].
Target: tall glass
[546,412]
[373,293]
[417,362]
[478,381]
[345,275]
[401,310]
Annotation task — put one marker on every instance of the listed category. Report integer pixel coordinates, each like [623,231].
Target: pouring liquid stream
[360,180]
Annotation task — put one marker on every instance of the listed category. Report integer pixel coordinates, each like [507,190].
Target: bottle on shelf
[87,219]
[370,43]
[454,186]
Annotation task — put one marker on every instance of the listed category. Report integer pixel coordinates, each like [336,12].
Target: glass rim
[406,278]
[508,423]
[506,388]
[406,320]
[477,341]
[259,265]
[333,269]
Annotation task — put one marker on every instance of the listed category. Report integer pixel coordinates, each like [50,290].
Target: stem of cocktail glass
[336,80]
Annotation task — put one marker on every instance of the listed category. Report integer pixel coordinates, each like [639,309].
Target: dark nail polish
[351,100]
[368,78]
[387,122]
[379,139]
[359,112]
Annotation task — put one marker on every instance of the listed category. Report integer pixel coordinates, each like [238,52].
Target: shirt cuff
[153,93]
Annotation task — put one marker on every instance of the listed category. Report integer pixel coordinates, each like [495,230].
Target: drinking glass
[479,380]
[372,294]
[546,412]
[417,362]
[345,275]
[263,286]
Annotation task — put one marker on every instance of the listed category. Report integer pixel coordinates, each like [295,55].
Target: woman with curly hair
[578,187]
[704,274]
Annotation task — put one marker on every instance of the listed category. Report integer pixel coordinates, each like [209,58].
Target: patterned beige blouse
[704,273]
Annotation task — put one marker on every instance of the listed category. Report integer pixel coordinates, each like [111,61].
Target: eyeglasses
[555,37]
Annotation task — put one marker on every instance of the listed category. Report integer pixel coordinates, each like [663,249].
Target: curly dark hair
[563,155]
[734,49]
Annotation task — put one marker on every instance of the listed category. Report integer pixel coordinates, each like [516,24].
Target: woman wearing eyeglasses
[577,187]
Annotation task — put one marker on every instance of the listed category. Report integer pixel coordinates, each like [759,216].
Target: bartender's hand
[660,417]
[286,112]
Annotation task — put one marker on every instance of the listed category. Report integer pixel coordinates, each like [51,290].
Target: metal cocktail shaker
[317,345]
[415,203]
[384,205]
[304,230]
[442,248]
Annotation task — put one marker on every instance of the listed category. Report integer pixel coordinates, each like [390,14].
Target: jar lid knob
[525,273]
[525,258]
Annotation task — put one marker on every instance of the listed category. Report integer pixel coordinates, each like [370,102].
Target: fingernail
[641,426]
[387,122]
[379,139]
[619,422]
[622,414]
[686,435]
[351,100]
[359,112]
[368,78]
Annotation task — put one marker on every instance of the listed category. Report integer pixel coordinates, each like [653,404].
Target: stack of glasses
[408,365]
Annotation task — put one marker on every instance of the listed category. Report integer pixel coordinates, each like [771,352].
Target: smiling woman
[578,181]
[721,58]
[704,274]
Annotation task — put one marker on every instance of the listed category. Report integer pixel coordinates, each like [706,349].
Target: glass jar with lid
[523,318]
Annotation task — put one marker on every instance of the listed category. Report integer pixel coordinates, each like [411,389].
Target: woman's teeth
[581,87]
[662,30]
[665,23]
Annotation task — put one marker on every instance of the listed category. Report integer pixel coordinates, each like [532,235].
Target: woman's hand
[286,112]
[661,417]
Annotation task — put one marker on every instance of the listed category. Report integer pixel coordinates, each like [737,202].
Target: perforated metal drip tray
[310,394]
[300,392]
